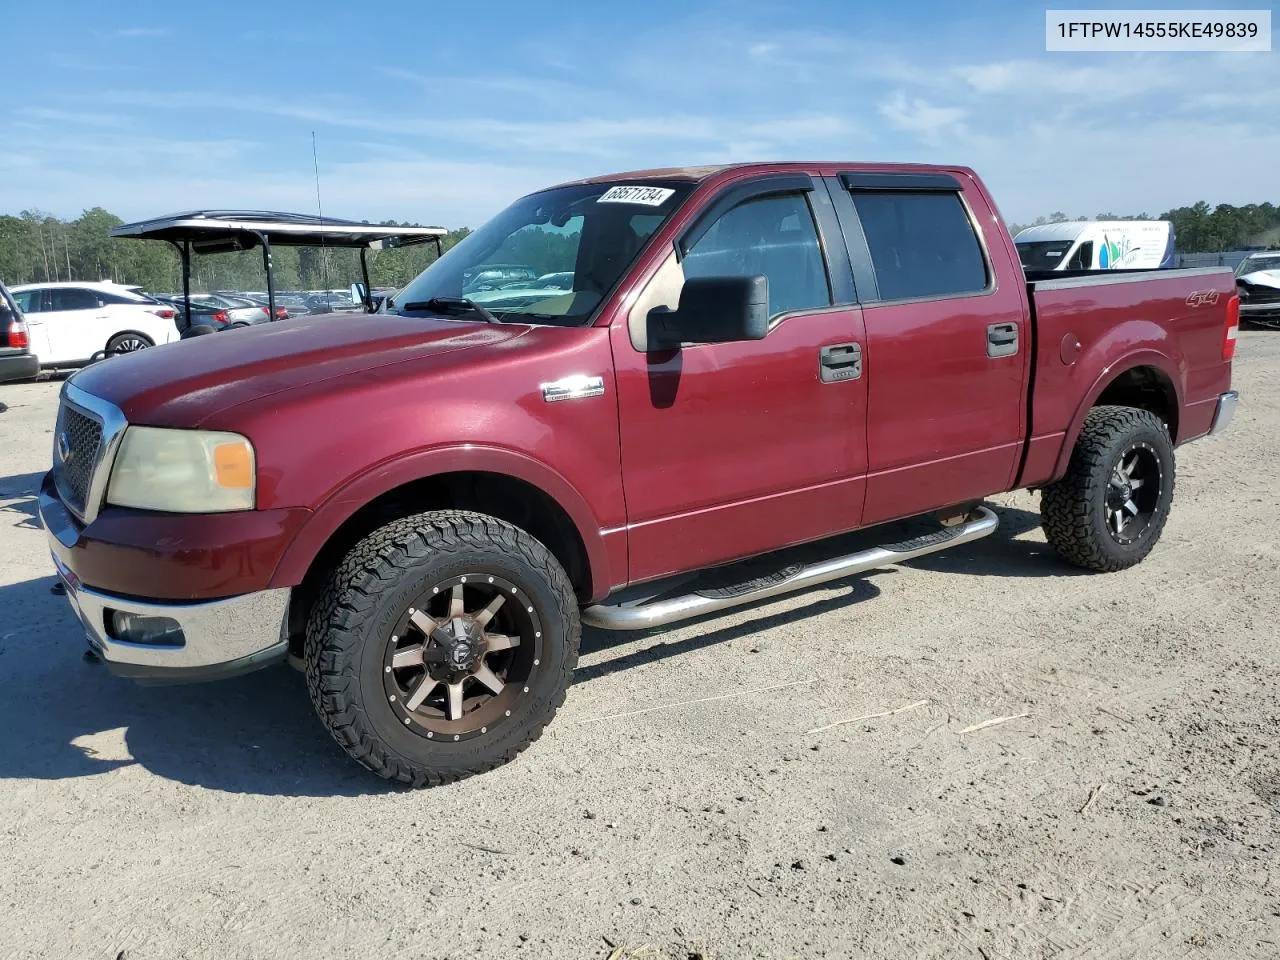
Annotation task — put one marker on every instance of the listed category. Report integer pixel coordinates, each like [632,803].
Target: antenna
[324,254]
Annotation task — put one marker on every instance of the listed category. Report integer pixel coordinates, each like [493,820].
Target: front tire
[441,646]
[1109,509]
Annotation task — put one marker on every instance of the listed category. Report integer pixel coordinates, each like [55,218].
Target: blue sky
[443,112]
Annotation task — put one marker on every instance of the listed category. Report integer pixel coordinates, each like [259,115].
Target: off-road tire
[1073,508]
[351,619]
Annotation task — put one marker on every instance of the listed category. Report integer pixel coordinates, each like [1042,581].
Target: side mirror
[358,293]
[713,310]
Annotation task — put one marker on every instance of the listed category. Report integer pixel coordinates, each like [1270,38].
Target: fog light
[153,631]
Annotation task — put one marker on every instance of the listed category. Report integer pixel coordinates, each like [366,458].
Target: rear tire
[127,343]
[1109,509]
[391,602]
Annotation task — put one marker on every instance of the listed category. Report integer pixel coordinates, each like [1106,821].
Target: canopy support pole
[184,251]
[271,284]
[364,272]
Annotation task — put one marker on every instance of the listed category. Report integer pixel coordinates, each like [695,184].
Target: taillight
[266,311]
[282,313]
[163,314]
[1232,329]
[218,317]
[18,338]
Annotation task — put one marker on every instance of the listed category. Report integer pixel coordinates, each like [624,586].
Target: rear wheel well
[507,498]
[1146,388]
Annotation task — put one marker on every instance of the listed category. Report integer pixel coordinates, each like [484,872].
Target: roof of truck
[700,173]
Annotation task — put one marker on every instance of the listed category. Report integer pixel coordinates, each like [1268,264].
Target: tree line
[1200,228]
[38,247]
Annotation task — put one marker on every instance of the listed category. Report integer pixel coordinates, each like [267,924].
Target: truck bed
[1085,321]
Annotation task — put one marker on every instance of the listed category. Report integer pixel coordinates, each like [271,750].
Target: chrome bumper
[1225,410]
[220,638]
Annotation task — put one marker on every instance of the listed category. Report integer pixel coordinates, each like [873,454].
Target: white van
[1097,245]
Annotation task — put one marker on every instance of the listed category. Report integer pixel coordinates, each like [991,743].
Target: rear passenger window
[774,236]
[70,298]
[922,244]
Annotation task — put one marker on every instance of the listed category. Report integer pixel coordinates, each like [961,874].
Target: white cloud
[928,121]
[142,32]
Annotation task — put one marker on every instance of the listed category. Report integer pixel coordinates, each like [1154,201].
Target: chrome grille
[76,445]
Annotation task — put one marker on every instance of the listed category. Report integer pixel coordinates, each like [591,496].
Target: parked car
[1258,282]
[489,276]
[16,359]
[208,314]
[72,324]
[423,507]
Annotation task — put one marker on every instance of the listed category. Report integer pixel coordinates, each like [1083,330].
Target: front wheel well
[498,495]
[1145,388]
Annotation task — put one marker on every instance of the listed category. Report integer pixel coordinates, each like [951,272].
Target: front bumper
[1224,412]
[1265,310]
[214,638]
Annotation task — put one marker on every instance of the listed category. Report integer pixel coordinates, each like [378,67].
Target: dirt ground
[810,778]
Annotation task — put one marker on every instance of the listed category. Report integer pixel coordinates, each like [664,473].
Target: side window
[28,301]
[1082,259]
[774,236]
[922,244]
[73,298]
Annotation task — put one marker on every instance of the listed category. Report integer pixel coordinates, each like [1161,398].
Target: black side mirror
[713,310]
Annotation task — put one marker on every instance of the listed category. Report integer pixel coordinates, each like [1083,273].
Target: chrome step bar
[640,616]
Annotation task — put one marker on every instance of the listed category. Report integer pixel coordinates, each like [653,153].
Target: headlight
[183,471]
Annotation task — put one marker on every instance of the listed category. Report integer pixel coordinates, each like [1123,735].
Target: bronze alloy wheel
[461,656]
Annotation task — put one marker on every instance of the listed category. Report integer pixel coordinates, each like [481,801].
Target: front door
[734,449]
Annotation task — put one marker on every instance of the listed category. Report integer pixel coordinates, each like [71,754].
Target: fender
[335,511]
[1140,358]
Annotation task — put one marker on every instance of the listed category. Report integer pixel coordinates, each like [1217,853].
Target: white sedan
[72,324]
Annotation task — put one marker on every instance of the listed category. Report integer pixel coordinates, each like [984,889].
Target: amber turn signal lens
[233,464]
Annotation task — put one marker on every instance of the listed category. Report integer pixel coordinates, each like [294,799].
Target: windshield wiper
[446,304]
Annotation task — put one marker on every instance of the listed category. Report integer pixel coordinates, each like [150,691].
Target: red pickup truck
[420,507]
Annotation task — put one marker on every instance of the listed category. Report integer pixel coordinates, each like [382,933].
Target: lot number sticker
[645,196]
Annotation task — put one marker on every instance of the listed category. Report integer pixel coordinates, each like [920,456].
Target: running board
[639,616]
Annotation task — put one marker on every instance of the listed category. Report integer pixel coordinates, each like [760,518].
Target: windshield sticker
[645,196]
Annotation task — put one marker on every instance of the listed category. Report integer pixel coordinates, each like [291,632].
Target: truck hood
[182,383]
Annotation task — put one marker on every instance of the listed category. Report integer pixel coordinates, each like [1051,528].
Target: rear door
[947,342]
[732,449]
[77,323]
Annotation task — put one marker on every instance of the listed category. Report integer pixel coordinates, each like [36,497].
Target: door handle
[1002,339]
[840,361]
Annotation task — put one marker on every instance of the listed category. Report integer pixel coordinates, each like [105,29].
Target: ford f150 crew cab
[420,507]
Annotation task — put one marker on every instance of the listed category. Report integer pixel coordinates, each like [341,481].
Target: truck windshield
[550,257]
[1042,254]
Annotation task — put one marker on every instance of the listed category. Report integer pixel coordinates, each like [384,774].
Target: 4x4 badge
[1198,298]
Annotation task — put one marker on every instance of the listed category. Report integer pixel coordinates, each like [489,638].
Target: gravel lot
[684,803]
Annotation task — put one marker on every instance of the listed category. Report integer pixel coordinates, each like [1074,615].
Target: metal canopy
[202,227]
[222,231]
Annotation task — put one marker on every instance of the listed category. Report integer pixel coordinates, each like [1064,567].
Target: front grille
[76,444]
[1257,293]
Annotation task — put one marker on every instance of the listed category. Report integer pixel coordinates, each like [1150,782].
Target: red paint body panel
[690,457]
[164,556]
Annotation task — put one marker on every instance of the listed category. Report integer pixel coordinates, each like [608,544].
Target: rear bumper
[21,366]
[1225,410]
